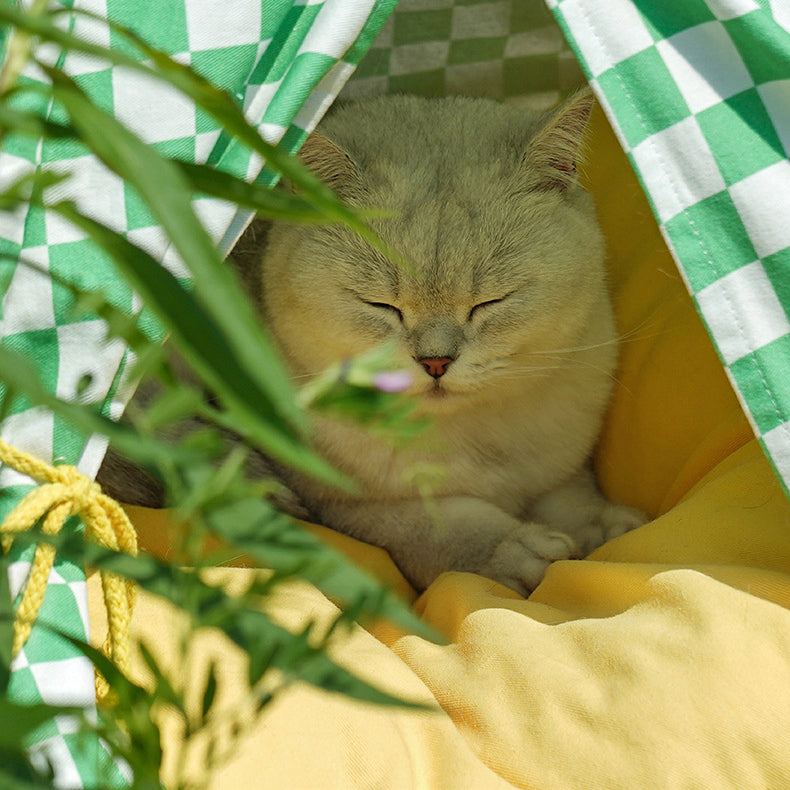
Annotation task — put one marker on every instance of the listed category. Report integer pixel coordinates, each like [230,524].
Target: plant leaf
[18,375]
[200,339]
[132,712]
[275,541]
[166,193]
[165,692]
[7,615]
[268,644]
[210,690]
[214,101]
[19,774]
[20,191]
[32,125]
[18,721]
[265,200]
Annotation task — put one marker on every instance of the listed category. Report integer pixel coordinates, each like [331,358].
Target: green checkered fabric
[284,61]
[699,94]
[505,49]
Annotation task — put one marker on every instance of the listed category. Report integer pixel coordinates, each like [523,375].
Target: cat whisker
[301,376]
[521,370]
[575,349]
[514,373]
[231,561]
[635,335]
[593,366]
[631,336]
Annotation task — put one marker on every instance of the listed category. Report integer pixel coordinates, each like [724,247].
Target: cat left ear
[330,163]
[555,149]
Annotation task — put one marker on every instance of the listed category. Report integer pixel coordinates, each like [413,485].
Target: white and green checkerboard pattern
[505,49]
[699,94]
[284,61]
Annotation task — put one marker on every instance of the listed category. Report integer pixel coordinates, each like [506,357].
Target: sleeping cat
[503,319]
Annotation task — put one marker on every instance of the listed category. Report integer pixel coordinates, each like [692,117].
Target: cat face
[506,261]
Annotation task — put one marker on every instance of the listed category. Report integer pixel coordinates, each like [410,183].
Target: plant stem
[20,45]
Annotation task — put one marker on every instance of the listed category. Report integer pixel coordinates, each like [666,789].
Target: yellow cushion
[661,661]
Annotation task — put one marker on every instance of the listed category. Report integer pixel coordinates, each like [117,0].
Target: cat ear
[330,163]
[555,150]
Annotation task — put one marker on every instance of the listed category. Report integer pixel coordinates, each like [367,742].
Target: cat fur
[508,281]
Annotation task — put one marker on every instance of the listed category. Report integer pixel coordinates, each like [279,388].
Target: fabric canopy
[698,93]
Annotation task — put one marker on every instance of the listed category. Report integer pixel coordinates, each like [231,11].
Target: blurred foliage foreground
[214,329]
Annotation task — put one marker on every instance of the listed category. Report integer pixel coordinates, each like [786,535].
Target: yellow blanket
[662,661]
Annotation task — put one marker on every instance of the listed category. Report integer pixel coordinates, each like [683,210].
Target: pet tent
[663,660]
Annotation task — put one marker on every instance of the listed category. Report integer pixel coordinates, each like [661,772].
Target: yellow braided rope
[66,492]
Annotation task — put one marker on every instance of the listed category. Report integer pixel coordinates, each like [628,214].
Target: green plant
[214,329]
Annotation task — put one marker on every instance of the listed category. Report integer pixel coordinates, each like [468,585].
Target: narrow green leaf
[275,541]
[18,375]
[222,107]
[268,644]
[119,682]
[17,46]
[210,690]
[21,190]
[175,403]
[194,330]
[298,660]
[202,178]
[214,101]
[6,624]
[165,692]
[200,339]
[133,710]
[266,201]
[95,303]
[166,192]
[26,719]
[19,774]
[32,125]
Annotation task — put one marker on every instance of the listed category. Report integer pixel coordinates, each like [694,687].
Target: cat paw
[613,521]
[616,520]
[521,558]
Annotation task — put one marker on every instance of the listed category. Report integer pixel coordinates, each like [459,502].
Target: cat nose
[436,366]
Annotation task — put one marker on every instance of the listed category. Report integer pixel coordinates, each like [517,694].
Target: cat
[504,321]
[503,318]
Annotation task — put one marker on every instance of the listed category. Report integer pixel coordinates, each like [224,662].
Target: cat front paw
[613,521]
[616,520]
[521,558]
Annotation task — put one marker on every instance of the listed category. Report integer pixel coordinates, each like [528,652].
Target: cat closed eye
[482,305]
[384,306]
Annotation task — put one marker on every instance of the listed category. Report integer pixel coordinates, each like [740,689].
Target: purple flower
[393,380]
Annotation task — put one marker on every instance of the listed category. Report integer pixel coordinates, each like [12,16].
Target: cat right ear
[330,163]
[556,148]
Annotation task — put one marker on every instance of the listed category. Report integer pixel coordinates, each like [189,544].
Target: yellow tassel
[66,492]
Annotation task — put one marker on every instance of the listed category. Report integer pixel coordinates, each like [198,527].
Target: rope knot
[78,489]
[64,492]
[71,476]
